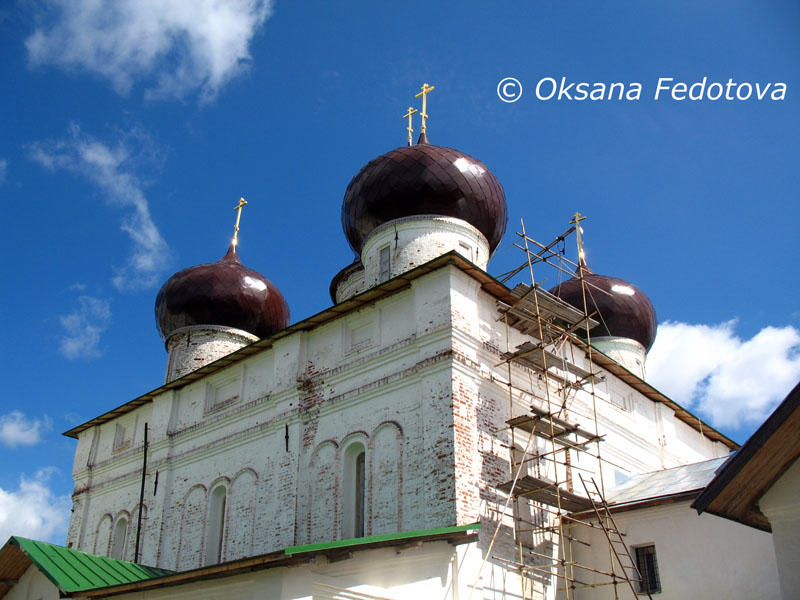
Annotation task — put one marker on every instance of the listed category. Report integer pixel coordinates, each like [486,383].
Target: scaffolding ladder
[614,536]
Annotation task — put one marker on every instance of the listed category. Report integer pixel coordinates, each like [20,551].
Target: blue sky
[129,130]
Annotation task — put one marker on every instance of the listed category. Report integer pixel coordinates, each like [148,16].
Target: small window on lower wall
[646,562]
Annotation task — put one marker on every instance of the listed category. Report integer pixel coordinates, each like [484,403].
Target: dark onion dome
[224,293]
[624,310]
[424,180]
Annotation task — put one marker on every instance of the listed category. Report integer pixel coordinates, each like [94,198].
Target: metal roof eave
[397,284]
[647,390]
[293,555]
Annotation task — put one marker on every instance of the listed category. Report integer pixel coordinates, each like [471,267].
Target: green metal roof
[380,538]
[74,571]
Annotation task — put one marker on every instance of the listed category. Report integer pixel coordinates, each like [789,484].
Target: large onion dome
[225,294]
[623,309]
[424,180]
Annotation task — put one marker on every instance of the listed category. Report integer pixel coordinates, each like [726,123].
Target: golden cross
[410,112]
[424,93]
[238,208]
[579,232]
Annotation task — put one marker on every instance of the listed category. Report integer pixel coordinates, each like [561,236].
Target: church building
[432,434]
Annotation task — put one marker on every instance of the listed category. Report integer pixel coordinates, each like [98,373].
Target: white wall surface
[781,505]
[32,586]
[413,241]
[414,377]
[195,346]
[436,570]
[698,556]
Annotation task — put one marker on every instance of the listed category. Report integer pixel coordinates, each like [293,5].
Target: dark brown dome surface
[424,180]
[224,293]
[624,311]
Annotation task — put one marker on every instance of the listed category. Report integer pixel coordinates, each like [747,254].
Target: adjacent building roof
[294,555]
[735,491]
[69,570]
[90,576]
[674,484]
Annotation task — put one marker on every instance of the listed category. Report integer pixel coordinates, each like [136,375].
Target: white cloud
[83,328]
[733,382]
[17,430]
[185,45]
[110,167]
[33,510]
[3,170]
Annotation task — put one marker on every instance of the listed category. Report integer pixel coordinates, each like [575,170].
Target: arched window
[216,525]
[354,497]
[360,493]
[119,538]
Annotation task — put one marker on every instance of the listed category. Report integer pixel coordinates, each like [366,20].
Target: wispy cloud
[18,430]
[73,418]
[110,166]
[183,46]
[734,382]
[83,328]
[3,170]
[33,510]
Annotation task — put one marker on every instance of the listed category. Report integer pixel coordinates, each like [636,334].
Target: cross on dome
[238,209]
[426,89]
[410,112]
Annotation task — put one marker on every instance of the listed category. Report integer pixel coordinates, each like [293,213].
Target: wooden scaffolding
[544,442]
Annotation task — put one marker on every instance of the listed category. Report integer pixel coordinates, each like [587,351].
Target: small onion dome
[224,293]
[623,309]
[424,180]
[344,274]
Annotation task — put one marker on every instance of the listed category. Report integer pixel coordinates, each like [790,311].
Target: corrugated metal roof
[669,482]
[71,570]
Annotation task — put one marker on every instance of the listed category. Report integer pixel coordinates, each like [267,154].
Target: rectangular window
[465,251]
[648,569]
[386,265]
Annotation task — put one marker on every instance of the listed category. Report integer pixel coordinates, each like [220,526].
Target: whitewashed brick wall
[413,377]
